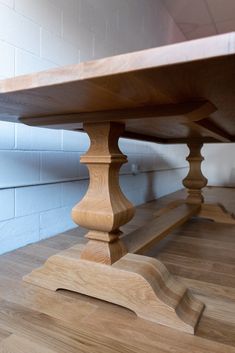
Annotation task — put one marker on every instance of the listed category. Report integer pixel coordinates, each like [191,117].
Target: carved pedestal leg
[217,213]
[195,181]
[103,269]
[104,208]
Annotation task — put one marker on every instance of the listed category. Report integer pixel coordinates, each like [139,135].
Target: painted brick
[133,146]
[7,60]
[43,12]
[175,155]
[131,187]
[18,30]
[75,141]
[55,221]
[153,184]
[18,232]
[7,135]
[35,199]
[59,166]
[27,63]
[7,204]
[33,138]
[166,182]
[19,168]
[73,192]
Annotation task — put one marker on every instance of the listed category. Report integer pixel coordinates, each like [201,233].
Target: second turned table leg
[195,182]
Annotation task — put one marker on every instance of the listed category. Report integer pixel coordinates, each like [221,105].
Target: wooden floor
[200,253]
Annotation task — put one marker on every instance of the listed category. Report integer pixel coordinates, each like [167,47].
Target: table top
[169,94]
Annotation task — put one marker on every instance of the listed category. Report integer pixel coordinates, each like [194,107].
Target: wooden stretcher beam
[143,238]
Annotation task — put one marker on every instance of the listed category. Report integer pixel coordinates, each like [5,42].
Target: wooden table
[182,93]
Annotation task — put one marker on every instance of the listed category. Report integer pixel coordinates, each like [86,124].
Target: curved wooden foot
[139,283]
[217,213]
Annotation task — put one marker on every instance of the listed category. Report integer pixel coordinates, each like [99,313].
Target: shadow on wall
[153,170]
[157,172]
[24,168]
[163,182]
[219,164]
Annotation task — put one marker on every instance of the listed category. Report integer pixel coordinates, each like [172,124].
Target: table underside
[154,92]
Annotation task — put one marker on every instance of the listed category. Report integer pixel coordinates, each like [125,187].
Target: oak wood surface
[158,81]
[133,281]
[143,238]
[195,180]
[68,322]
[104,208]
[139,283]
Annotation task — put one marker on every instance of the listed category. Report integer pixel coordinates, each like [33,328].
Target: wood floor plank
[218,309]
[217,331]
[206,276]
[63,241]
[20,344]
[149,335]
[197,264]
[56,336]
[204,229]
[14,270]
[211,243]
[69,309]
[209,289]
[201,252]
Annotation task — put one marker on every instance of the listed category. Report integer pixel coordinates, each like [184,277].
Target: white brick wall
[41,177]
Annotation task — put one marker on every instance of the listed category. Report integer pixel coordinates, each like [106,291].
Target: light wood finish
[187,113]
[163,82]
[99,270]
[190,111]
[195,180]
[17,344]
[212,129]
[196,253]
[178,93]
[136,282]
[145,237]
[104,208]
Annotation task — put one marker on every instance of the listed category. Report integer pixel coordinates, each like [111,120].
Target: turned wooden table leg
[195,180]
[103,268]
[104,208]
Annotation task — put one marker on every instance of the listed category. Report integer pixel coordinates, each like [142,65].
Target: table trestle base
[139,283]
